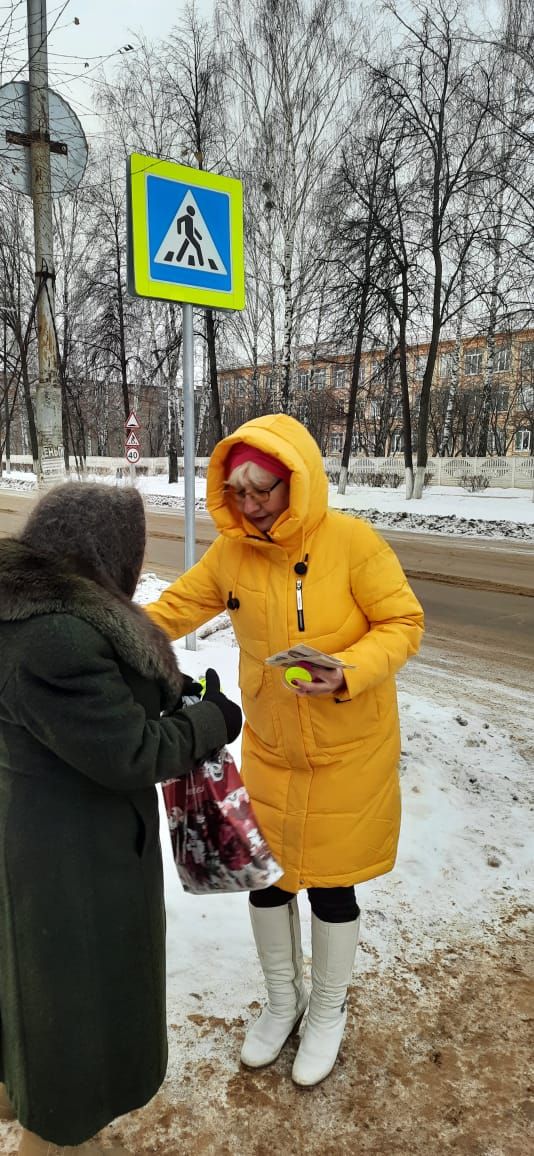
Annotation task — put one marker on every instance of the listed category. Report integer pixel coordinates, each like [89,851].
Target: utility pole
[48,396]
[7,439]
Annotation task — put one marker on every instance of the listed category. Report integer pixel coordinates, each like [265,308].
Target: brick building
[321,390]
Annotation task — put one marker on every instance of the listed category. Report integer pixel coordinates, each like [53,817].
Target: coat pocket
[339,724]
[257,697]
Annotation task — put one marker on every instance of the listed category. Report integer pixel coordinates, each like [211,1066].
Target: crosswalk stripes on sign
[188,243]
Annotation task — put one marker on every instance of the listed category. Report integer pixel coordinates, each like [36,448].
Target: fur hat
[98,531]
[81,553]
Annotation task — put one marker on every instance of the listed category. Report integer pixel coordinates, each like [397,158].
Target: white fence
[505,473]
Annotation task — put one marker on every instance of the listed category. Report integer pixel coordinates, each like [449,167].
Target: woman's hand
[324,681]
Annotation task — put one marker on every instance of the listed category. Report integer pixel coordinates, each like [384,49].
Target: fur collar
[31,584]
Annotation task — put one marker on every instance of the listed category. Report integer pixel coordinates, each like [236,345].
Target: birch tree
[290,62]
[433,89]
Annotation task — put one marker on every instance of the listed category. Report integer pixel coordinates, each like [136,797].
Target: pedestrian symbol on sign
[188,243]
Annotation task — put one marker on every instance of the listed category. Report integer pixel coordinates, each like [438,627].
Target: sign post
[185,244]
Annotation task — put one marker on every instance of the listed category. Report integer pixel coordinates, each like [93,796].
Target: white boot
[333,951]
[277,934]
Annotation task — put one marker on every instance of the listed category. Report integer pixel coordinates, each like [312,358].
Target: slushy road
[478,594]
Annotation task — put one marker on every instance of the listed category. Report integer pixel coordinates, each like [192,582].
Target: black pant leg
[271,897]
[334,904]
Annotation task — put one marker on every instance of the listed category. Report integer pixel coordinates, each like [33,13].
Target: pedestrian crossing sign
[185,234]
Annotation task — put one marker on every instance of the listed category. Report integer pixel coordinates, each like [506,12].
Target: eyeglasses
[259,496]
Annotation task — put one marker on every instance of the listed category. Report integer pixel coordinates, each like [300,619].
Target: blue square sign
[185,234]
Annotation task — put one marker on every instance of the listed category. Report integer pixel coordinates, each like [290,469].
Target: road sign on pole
[68,146]
[185,243]
[185,234]
[131,442]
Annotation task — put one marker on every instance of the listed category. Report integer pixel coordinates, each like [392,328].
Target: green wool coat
[83,679]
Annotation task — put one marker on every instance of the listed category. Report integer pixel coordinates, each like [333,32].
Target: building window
[241,386]
[301,413]
[502,397]
[419,366]
[303,381]
[527,356]
[526,396]
[377,370]
[446,365]
[335,443]
[522,440]
[319,378]
[267,381]
[472,362]
[397,443]
[497,442]
[503,359]
[339,378]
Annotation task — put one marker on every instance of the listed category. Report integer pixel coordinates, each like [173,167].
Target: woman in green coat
[84,678]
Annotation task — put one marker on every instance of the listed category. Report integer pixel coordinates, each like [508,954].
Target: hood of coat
[99,530]
[33,583]
[286,439]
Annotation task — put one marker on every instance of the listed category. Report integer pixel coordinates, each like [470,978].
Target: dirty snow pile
[442,509]
[497,513]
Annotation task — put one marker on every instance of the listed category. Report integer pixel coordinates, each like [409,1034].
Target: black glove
[191,688]
[230,711]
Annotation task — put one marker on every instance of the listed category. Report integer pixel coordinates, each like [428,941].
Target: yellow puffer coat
[322,774]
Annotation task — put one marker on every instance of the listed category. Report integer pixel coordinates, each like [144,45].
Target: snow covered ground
[497,513]
[436,1051]
[441,933]
[465,843]
[442,509]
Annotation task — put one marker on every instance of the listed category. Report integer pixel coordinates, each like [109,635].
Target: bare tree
[433,90]
[291,63]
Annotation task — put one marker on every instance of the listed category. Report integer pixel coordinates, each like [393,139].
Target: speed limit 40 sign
[132,447]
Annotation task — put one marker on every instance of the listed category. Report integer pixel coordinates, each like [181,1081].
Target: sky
[104,27]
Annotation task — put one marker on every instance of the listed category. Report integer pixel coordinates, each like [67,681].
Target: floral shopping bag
[216,840]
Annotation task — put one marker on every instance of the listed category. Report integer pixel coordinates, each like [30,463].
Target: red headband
[241,452]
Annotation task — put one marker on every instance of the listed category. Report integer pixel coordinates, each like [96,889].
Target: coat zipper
[300,607]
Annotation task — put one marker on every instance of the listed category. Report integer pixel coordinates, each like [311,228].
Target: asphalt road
[478,594]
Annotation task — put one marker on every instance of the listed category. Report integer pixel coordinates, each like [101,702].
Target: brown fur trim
[32,584]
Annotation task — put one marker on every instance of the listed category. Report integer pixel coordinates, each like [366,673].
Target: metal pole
[6,404]
[51,466]
[189,446]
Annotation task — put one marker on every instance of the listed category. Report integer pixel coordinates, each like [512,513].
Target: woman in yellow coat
[320,761]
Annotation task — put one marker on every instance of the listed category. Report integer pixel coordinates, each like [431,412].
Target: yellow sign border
[141,284]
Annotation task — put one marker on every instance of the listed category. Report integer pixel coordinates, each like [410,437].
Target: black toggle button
[300,568]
